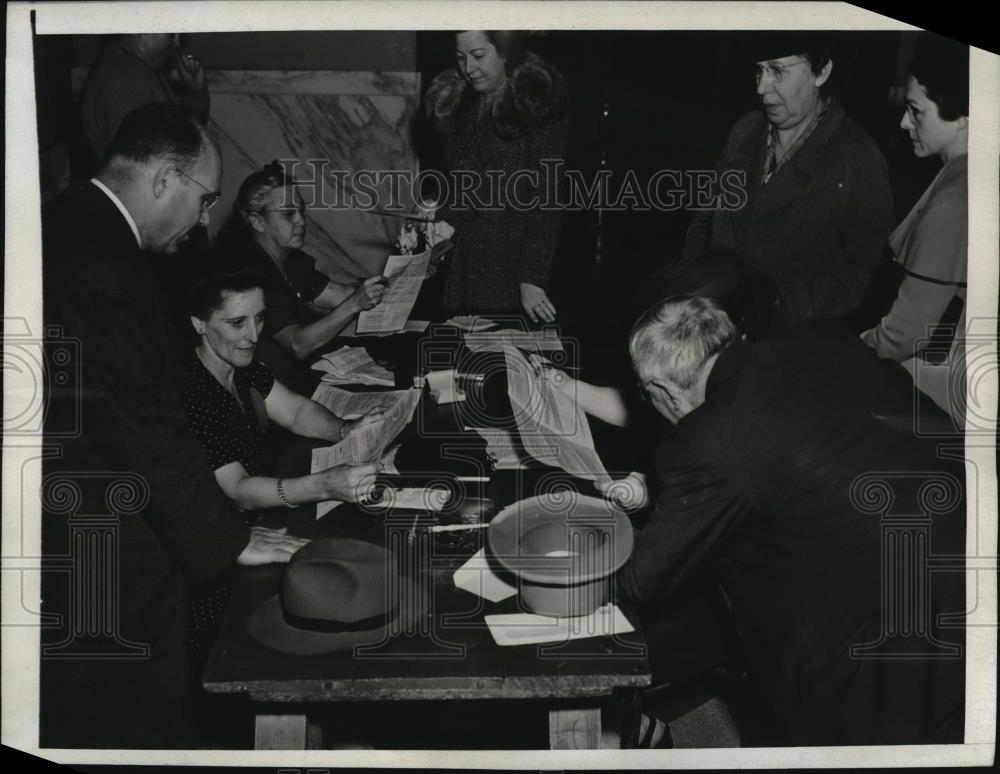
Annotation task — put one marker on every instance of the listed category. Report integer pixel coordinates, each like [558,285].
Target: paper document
[503,448]
[443,387]
[530,629]
[552,427]
[370,441]
[351,405]
[471,323]
[477,577]
[353,365]
[546,340]
[414,498]
[406,274]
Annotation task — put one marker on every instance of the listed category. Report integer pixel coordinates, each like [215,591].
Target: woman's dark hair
[209,293]
[254,191]
[941,66]
[510,45]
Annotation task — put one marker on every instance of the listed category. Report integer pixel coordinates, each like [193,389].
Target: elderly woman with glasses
[924,328]
[817,206]
[305,308]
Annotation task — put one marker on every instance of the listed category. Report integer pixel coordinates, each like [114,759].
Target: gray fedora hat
[337,594]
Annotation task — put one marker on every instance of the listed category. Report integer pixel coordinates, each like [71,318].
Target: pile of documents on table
[353,365]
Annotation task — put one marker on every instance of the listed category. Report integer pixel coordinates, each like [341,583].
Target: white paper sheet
[406,274]
[531,341]
[443,387]
[471,323]
[503,448]
[350,405]
[553,428]
[477,577]
[414,498]
[530,629]
[353,365]
[369,442]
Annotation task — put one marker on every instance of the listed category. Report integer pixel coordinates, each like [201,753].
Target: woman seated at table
[931,244]
[305,308]
[230,397]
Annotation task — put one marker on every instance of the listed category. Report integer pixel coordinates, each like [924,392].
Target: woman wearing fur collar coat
[502,111]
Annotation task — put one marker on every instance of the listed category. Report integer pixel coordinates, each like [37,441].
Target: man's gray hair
[675,338]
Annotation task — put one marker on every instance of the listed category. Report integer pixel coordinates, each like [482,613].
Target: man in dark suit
[119,671]
[779,483]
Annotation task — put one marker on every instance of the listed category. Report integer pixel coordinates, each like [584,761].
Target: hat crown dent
[339,581]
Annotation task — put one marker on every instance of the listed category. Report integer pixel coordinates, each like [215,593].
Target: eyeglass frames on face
[207,202]
[775,71]
[287,212]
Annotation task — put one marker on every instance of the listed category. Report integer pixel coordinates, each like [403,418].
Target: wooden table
[451,655]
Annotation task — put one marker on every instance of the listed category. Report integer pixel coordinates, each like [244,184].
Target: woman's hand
[375,415]
[369,292]
[268,546]
[629,493]
[190,71]
[562,381]
[350,483]
[536,304]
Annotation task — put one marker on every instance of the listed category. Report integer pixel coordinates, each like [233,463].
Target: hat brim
[267,625]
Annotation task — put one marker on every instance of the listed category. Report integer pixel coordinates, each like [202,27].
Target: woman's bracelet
[281,495]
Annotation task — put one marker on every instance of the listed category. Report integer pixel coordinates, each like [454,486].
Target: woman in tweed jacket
[501,111]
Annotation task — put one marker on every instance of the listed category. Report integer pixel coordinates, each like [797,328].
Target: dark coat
[498,247]
[762,491]
[98,288]
[820,225]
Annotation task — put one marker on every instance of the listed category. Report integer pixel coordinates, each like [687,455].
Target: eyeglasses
[776,71]
[644,389]
[207,202]
[287,212]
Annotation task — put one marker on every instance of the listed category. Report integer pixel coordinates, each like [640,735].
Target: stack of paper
[503,449]
[546,340]
[530,629]
[353,365]
[443,387]
[351,405]
[471,323]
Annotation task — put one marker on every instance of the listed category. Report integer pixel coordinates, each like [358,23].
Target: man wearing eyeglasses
[161,177]
[819,207]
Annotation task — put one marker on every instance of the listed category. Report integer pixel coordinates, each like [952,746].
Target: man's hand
[269,546]
[350,483]
[536,304]
[627,493]
[190,71]
[369,292]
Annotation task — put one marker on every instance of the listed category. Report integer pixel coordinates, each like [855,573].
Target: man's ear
[824,74]
[161,179]
[199,325]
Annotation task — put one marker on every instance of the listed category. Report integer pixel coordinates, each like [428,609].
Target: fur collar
[534,94]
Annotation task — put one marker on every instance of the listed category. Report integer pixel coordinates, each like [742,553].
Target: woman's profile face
[930,134]
[479,63]
[282,220]
[232,330]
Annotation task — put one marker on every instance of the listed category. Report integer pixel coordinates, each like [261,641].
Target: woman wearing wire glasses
[818,206]
[305,308]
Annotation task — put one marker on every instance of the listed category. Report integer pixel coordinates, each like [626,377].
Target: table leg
[575,729]
[280,732]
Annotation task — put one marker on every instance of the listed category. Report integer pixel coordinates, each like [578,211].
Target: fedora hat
[563,547]
[336,594]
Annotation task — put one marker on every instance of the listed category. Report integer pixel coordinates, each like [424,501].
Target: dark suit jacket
[98,289]
[820,225]
[761,490]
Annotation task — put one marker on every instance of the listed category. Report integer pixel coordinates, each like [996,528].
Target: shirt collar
[121,208]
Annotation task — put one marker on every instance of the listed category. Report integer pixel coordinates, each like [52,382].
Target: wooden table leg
[280,732]
[575,729]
